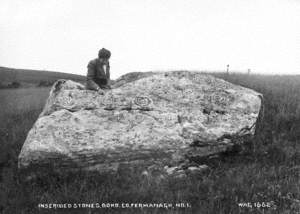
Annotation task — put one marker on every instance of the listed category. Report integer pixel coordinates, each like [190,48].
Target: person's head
[104,55]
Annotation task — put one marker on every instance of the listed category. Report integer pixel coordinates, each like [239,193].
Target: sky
[145,35]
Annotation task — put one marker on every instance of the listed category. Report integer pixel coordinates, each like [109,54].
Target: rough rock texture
[151,118]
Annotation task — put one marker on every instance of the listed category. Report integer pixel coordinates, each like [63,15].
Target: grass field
[27,76]
[267,174]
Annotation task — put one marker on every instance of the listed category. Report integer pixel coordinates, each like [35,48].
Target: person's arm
[91,73]
[108,73]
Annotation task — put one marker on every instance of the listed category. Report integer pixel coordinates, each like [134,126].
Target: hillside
[34,77]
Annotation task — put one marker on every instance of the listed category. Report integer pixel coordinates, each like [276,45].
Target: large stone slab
[146,118]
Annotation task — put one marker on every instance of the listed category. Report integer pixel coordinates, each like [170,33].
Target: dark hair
[104,53]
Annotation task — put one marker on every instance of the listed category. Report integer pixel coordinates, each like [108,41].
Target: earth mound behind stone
[153,118]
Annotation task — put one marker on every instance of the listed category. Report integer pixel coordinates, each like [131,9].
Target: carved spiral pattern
[142,101]
[66,101]
[109,100]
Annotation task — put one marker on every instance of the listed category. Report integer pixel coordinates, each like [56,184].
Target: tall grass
[267,172]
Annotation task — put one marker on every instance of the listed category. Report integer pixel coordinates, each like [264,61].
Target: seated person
[98,75]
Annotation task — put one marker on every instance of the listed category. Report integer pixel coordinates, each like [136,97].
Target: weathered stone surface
[197,169]
[147,118]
